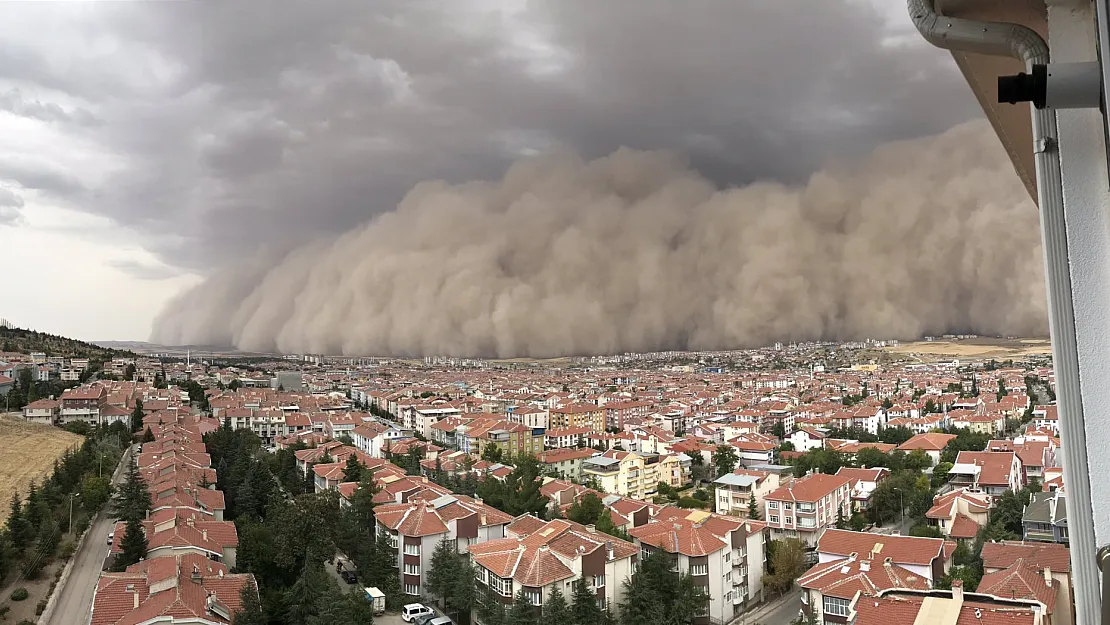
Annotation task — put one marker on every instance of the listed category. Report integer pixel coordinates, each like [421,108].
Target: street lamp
[72,496]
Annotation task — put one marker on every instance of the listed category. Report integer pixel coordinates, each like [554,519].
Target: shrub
[40,608]
[26,621]
[65,552]
[690,502]
[19,594]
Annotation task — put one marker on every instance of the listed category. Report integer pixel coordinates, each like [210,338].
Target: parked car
[414,610]
[111,537]
[349,577]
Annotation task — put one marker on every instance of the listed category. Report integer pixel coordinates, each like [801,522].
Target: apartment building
[182,590]
[529,416]
[634,475]
[724,555]
[537,557]
[417,526]
[994,472]
[734,491]
[944,607]
[862,483]
[960,513]
[804,507]
[172,532]
[929,558]
[577,415]
[82,403]
[1045,518]
[931,443]
[616,412]
[829,588]
[1052,560]
[566,463]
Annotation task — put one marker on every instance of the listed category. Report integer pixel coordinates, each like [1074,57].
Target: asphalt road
[783,612]
[75,598]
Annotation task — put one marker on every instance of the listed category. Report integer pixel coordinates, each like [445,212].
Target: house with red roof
[959,514]
[804,507]
[943,607]
[829,588]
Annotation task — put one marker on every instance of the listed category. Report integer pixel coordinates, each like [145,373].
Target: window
[393,540]
[599,581]
[786,506]
[774,505]
[480,574]
[728,596]
[412,550]
[699,569]
[412,569]
[727,555]
[412,589]
[773,519]
[728,577]
[501,585]
[837,606]
[532,595]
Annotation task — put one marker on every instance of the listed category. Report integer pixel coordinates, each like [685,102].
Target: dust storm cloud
[635,251]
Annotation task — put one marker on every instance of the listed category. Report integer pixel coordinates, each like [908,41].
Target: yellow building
[631,474]
[577,415]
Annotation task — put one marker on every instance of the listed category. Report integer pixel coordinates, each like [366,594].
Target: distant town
[796,483]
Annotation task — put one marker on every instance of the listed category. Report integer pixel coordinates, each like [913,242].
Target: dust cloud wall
[635,251]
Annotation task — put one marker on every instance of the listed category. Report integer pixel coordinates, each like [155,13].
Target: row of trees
[287,533]
[77,489]
[131,504]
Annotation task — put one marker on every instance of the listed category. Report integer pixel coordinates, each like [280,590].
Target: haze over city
[692,196]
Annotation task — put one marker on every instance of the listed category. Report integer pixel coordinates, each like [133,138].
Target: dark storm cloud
[257,122]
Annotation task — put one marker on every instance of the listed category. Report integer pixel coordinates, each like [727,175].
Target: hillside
[27,341]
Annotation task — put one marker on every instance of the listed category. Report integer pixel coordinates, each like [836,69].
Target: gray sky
[147,144]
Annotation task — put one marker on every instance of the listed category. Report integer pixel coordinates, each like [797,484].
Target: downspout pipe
[1014,40]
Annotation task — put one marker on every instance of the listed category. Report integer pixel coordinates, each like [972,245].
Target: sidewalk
[780,611]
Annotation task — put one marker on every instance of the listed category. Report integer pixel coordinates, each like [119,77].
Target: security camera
[1055,85]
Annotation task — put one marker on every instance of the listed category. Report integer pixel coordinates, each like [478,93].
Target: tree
[443,571]
[234,385]
[658,595]
[148,436]
[586,510]
[725,459]
[132,499]
[129,372]
[137,416]
[95,492]
[250,609]
[753,508]
[133,545]
[787,563]
[353,471]
[583,603]
[778,430]
[841,522]
[19,528]
[492,453]
[522,611]
[605,525]
[556,611]
[520,492]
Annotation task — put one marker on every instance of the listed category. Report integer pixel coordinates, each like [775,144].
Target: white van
[413,610]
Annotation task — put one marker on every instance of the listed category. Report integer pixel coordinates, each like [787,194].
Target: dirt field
[29,453]
[979,348]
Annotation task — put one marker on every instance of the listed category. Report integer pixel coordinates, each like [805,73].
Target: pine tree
[443,570]
[250,609]
[132,499]
[137,416]
[19,527]
[148,436]
[133,545]
[584,604]
[753,508]
[522,611]
[556,611]
[353,471]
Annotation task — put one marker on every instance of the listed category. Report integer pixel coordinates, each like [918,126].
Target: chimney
[189,521]
[591,528]
[958,592]
[204,534]
[136,600]
[196,573]
[1048,576]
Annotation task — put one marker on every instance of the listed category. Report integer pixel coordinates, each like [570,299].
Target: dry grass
[29,451]
[980,348]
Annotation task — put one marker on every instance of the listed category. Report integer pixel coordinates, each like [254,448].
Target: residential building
[577,415]
[804,507]
[1045,519]
[182,590]
[417,526]
[566,463]
[172,532]
[994,472]
[734,491]
[538,557]
[723,555]
[928,557]
[862,483]
[959,514]
[1025,580]
[634,475]
[943,607]
[829,588]
[42,411]
[932,443]
[1050,559]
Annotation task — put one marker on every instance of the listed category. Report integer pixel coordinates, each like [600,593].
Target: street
[780,611]
[74,602]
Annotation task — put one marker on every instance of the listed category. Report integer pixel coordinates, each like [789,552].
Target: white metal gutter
[1014,40]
